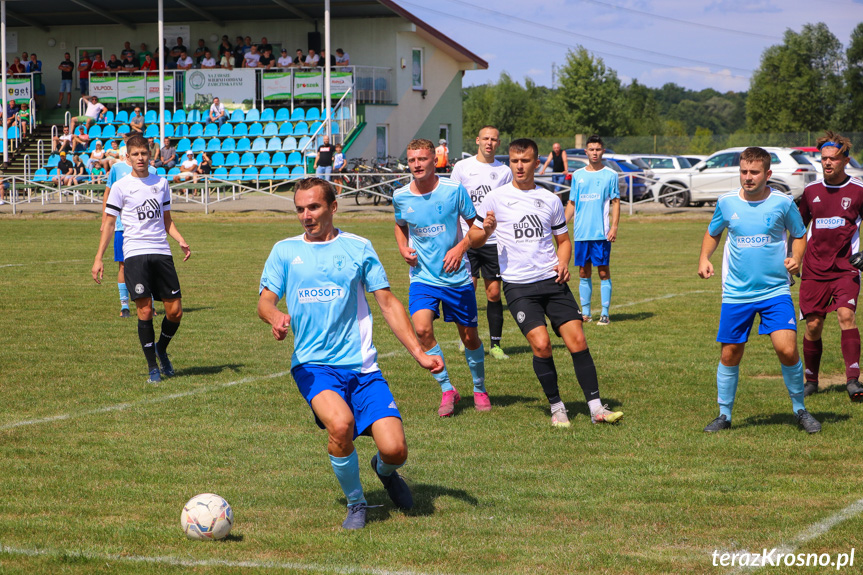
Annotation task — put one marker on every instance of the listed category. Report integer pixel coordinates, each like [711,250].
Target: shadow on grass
[466,403]
[574,408]
[192,309]
[424,494]
[640,316]
[790,419]
[209,369]
[232,537]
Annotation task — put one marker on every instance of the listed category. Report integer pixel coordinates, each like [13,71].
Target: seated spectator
[11,113]
[143,53]
[299,59]
[66,67]
[65,167]
[185,62]
[205,168]
[149,64]
[136,122]
[208,61]
[22,119]
[127,50]
[80,139]
[264,45]
[252,58]
[188,169]
[16,67]
[228,61]
[62,141]
[284,60]
[98,64]
[167,156]
[94,112]
[129,63]
[342,59]
[96,157]
[97,174]
[79,173]
[113,64]
[112,155]
[178,50]
[217,113]
[312,60]
[324,59]
[200,51]
[154,150]
[267,61]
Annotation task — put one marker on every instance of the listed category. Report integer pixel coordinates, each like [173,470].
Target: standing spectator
[252,58]
[559,168]
[142,54]
[94,112]
[136,122]
[80,139]
[312,59]
[339,165]
[98,64]
[208,61]
[66,67]
[285,61]
[167,156]
[185,62]
[61,142]
[200,51]
[113,64]
[299,59]
[129,63]
[441,154]
[79,173]
[267,60]
[149,64]
[342,59]
[17,67]
[22,119]
[228,60]
[264,45]
[64,168]
[324,160]
[84,73]
[225,45]
[247,44]
[239,51]
[25,61]
[127,50]
[178,50]
[217,113]
[35,68]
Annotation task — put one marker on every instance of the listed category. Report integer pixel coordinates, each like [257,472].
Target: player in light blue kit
[322,274]
[594,200]
[430,240]
[756,279]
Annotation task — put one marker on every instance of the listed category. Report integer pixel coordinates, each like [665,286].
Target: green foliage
[851,112]
[590,95]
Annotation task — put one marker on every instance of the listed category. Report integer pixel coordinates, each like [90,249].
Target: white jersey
[526,222]
[479,179]
[139,203]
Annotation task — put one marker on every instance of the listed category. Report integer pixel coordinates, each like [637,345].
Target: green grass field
[96,464]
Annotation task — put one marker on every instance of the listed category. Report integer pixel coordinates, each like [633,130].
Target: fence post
[630,193]
[207,195]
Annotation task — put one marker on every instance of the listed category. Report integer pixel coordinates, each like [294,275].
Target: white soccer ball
[206,516]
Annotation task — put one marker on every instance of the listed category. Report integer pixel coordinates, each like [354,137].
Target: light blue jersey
[322,283]
[753,259]
[119,171]
[432,220]
[592,193]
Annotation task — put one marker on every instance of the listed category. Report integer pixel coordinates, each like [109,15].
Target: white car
[662,164]
[720,173]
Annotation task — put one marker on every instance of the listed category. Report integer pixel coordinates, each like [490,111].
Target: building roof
[46,14]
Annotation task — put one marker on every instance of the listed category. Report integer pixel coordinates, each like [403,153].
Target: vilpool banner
[308,85]
[105,87]
[231,87]
[153,89]
[19,89]
[276,85]
[132,89]
[340,82]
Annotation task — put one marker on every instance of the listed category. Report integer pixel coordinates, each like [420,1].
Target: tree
[852,109]
[589,95]
[639,111]
[796,86]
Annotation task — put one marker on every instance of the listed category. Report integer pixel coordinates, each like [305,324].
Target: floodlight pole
[5,94]
[161,45]
[328,102]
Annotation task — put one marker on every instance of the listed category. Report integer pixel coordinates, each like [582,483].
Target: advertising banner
[232,87]
[153,89]
[19,89]
[340,82]
[308,85]
[133,89]
[105,87]
[276,86]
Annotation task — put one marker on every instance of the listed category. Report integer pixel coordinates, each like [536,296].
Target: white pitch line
[178,562]
[812,532]
[149,401]
[667,296]
[42,263]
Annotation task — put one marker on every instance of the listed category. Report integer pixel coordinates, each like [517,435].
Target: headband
[834,145]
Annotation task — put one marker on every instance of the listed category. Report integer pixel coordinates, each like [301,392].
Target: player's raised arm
[396,317]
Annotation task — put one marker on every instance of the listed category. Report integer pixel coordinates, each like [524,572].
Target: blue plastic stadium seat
[271,129]
[226,131]
[199,158]
[294,159]
[237,116]
[259,144]
[160,171]
[167,116]
[247,159]
[244,145]
[40,175]
[256,130]
[221,173]
[232,159]
[92,145]
[268,115]
[298,115]
[151,117]
[109,132]
[313,114]
[199,145]
[279,159]
[314,127]
[218,159]
[174,171]
[184,145]
[181,130]
[85,158]
[298,171]
[250,175]
[236,173]
[152,131]
[241,130]
[266,174]
[53,160]
[253,115]
[169,130]
[109,117]
[283,115]
[95,131]
[274,144]
[305,143]
[289,144]
[193,116]
[179,117]
[286,129]
[262,159]
[283,173]
[122,117]
[301,129]
[124,129]
[213,145]
[196,131]
[335,128]
[228,145]
[211,131]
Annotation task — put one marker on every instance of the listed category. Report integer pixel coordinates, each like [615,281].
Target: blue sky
[697,44]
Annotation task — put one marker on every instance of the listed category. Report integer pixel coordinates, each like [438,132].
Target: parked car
[577,162]
[662,164]
[695,158]
[720,173]
[853,168]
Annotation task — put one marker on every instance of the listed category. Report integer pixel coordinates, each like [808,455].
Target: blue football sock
[585,291]
[793,376]
[386,469]
[124,295]
[605,293]
[476,362]
[442,377]
[347,471]
[726,384]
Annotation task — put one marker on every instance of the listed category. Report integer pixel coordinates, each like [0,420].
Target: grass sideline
[500,492]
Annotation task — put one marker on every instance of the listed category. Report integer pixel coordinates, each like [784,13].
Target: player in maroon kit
[834,208]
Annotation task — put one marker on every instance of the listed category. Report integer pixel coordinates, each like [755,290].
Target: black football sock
[169,328]
[147,335]
[494,311]
[585,373]
[545,371]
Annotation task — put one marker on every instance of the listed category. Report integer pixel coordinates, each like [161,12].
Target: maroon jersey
[833,215]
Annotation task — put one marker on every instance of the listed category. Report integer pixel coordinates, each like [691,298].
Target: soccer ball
[206,516]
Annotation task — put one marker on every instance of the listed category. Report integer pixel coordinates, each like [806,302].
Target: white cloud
[488,56]
[722,80]
[533,72]
[743,6]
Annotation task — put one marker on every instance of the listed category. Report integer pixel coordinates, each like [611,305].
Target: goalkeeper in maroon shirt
[832,208]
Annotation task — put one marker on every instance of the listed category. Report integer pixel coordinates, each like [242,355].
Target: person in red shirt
[149,64]
[98,64]
[832,208]
[84,72]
